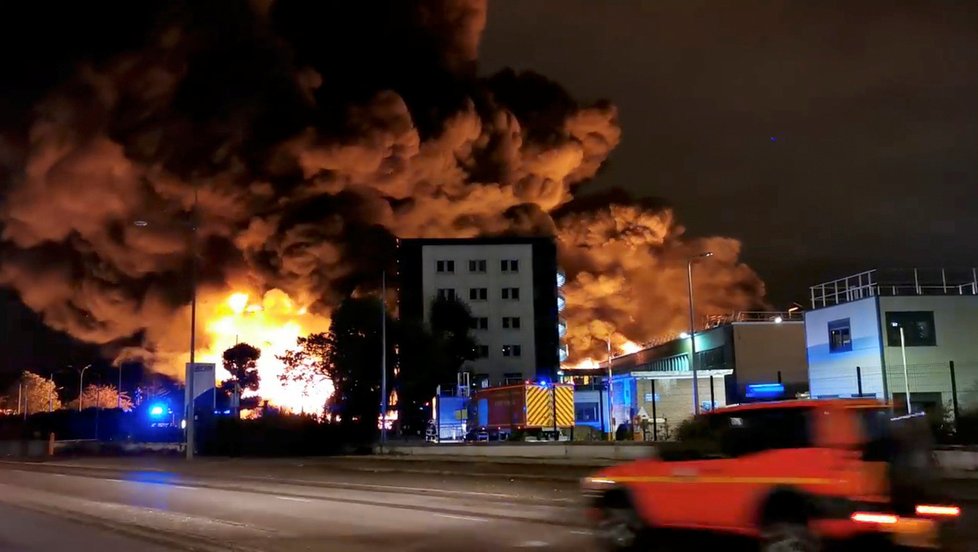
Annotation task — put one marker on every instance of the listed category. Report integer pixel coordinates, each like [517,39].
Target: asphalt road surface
[242,508]
[324,505]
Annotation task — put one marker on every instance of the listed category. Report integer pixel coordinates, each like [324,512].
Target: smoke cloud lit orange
[306,157]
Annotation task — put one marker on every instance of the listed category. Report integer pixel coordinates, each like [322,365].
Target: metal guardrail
[895,282]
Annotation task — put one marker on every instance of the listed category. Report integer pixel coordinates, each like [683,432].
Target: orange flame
[625,348]
[272,323]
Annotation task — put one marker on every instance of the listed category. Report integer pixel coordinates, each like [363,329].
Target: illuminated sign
[764,390]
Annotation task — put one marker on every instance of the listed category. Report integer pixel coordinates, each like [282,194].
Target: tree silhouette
[430,357]
[349,355]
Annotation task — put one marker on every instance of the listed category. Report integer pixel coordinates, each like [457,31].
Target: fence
[949,386]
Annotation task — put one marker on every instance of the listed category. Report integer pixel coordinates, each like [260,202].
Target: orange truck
[536,409]
[795,475]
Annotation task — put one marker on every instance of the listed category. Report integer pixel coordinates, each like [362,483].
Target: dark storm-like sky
[827,136]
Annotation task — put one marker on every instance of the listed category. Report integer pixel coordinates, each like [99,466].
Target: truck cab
[793,474]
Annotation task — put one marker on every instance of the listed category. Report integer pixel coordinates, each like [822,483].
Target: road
[233,508]
[290,505]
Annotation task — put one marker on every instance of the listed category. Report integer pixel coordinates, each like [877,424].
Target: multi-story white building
[510,287]
[853,337]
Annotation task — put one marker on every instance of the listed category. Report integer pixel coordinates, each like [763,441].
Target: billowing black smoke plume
[308,134]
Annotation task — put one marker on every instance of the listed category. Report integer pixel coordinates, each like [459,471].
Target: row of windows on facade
[478,266]
[918,331]
[482,323]
[481,381]
[480,294]
[482,351]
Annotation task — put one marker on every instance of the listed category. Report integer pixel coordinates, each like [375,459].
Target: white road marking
[463,518]
[185,487]
[116,480]
[533,544]
[581,532]
[293,498]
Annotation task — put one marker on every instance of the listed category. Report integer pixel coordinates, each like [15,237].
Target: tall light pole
[692,328]
[611,419]
[191,415]
[81,386]
[383,359]
[906,375]
[188,407]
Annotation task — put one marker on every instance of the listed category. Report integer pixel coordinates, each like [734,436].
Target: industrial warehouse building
[854,345]
[740,358]
[510,286]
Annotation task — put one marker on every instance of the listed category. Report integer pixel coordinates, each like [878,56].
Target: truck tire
[789,537]
[621,528]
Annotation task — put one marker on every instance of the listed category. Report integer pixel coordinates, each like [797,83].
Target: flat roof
[487,240]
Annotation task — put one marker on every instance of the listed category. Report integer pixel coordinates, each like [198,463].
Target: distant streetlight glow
[141,223]
[684,335]
[778,320]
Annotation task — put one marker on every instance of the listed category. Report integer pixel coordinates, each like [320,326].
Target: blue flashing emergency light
[764,390]
[156,410]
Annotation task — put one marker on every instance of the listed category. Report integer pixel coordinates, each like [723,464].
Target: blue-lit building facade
[741,358]
[853,340]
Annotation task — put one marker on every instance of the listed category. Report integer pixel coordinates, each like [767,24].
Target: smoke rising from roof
[310,135]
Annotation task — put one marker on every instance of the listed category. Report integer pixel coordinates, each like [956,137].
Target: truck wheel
[621,529]
[789,537]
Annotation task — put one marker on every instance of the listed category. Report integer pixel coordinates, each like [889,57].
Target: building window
[512,378]
[479,323]
[512,350]
[480,381]
[511,322]
[586,412]
[478,294]
[482,351]
[509,265]
[918,328]
[840,336]
[511,293]
[445,267]
[446,293]
[478,265]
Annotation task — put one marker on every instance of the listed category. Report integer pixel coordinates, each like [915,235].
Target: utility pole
[383,359]
[191,413]
[119,389]
[51,394]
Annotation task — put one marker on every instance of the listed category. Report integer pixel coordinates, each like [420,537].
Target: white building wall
[956,332]
[834,373]
[494,307]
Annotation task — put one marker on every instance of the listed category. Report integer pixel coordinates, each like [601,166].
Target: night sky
[829,137]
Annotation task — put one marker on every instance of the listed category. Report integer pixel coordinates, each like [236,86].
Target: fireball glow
[271,323]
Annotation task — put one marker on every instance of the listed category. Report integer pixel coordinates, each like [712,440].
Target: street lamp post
[81,386]
[383,360]
[903,353]
[189,412]
[611,416]
[692,328]
[119,389]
